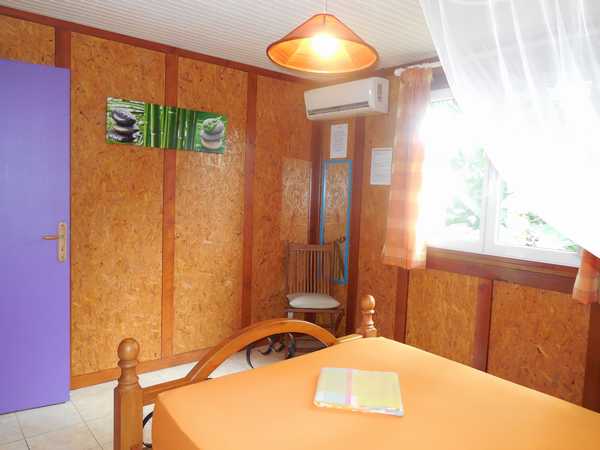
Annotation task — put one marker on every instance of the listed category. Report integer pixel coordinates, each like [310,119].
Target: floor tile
[10,430]
[172,373]
[60,427]
[94,402]
[163,375]
[77,437]
[19,445]
[49,418]
[91,391]
[102,428]
[237,362]
[151,378]
[148,428]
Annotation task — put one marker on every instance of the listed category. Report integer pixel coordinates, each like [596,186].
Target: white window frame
[488,243]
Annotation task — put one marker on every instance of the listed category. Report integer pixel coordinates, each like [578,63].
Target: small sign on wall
[338,143]
[151,125]
[381,166]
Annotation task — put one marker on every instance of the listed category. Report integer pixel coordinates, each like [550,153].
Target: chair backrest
[310,268]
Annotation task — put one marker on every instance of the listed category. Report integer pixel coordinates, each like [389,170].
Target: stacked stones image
[125,128]
[213,131]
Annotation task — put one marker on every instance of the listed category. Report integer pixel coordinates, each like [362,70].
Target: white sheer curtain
[527,75]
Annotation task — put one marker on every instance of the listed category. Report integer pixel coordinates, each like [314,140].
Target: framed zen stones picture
[150,125]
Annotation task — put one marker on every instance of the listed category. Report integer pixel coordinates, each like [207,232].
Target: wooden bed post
[128,399]
[367,309]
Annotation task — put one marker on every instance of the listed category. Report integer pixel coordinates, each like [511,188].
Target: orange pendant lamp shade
[322,44]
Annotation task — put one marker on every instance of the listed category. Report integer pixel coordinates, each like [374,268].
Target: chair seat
[312,301]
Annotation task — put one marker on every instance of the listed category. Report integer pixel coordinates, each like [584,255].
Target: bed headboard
[130,397]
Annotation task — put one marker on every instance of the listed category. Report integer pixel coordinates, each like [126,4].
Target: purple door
[34,200]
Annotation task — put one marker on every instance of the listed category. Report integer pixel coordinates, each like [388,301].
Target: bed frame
[130,397]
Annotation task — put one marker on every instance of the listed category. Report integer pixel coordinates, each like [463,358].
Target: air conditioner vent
[331,109]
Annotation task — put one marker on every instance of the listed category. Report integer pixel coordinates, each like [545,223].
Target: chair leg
[248,353]
[291,346]
[338,320]
[333,323]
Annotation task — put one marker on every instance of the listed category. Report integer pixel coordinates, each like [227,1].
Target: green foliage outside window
[466,209]
[517,225]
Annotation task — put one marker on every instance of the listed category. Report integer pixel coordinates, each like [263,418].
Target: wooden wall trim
[143,43]
[62,48]
[315,183]
[591,383]
[102,376]
[249,173]
[62,58]
[403,279]
[168,235]
[483,321]
[527,273]
[244,67]
[355,216]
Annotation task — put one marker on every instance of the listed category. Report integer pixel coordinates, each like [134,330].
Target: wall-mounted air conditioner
[355,98]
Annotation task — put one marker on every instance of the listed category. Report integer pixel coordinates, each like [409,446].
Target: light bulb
[324,45]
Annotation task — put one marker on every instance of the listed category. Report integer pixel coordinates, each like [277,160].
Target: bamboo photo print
[150,125]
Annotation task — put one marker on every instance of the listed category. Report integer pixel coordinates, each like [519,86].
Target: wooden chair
[310,278]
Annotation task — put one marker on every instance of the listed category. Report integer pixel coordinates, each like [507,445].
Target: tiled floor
[86,421]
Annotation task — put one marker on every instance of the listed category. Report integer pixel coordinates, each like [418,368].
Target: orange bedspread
[447,405]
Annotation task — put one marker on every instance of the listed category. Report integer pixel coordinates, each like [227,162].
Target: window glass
[467,206]
[519,226]
[455,174]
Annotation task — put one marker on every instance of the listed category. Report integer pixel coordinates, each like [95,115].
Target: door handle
[61,238]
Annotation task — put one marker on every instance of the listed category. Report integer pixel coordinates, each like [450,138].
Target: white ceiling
[240,30]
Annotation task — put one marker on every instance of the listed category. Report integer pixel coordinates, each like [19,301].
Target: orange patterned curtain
[587,282]
[404,246]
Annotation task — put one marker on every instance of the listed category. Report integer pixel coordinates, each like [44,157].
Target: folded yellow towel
[359,390]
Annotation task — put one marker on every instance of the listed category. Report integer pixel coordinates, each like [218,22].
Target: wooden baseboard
[102,376]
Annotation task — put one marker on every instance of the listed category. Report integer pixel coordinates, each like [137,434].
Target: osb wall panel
[296,176]
[374,277]
[26,41]
[288,223]
[441,313]
[539,339]
[116,202]
[209,211]
[281,189]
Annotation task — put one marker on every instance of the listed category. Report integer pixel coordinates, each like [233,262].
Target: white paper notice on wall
[338,147]
[381,166]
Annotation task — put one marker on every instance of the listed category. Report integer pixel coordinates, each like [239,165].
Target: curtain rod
[433,65]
